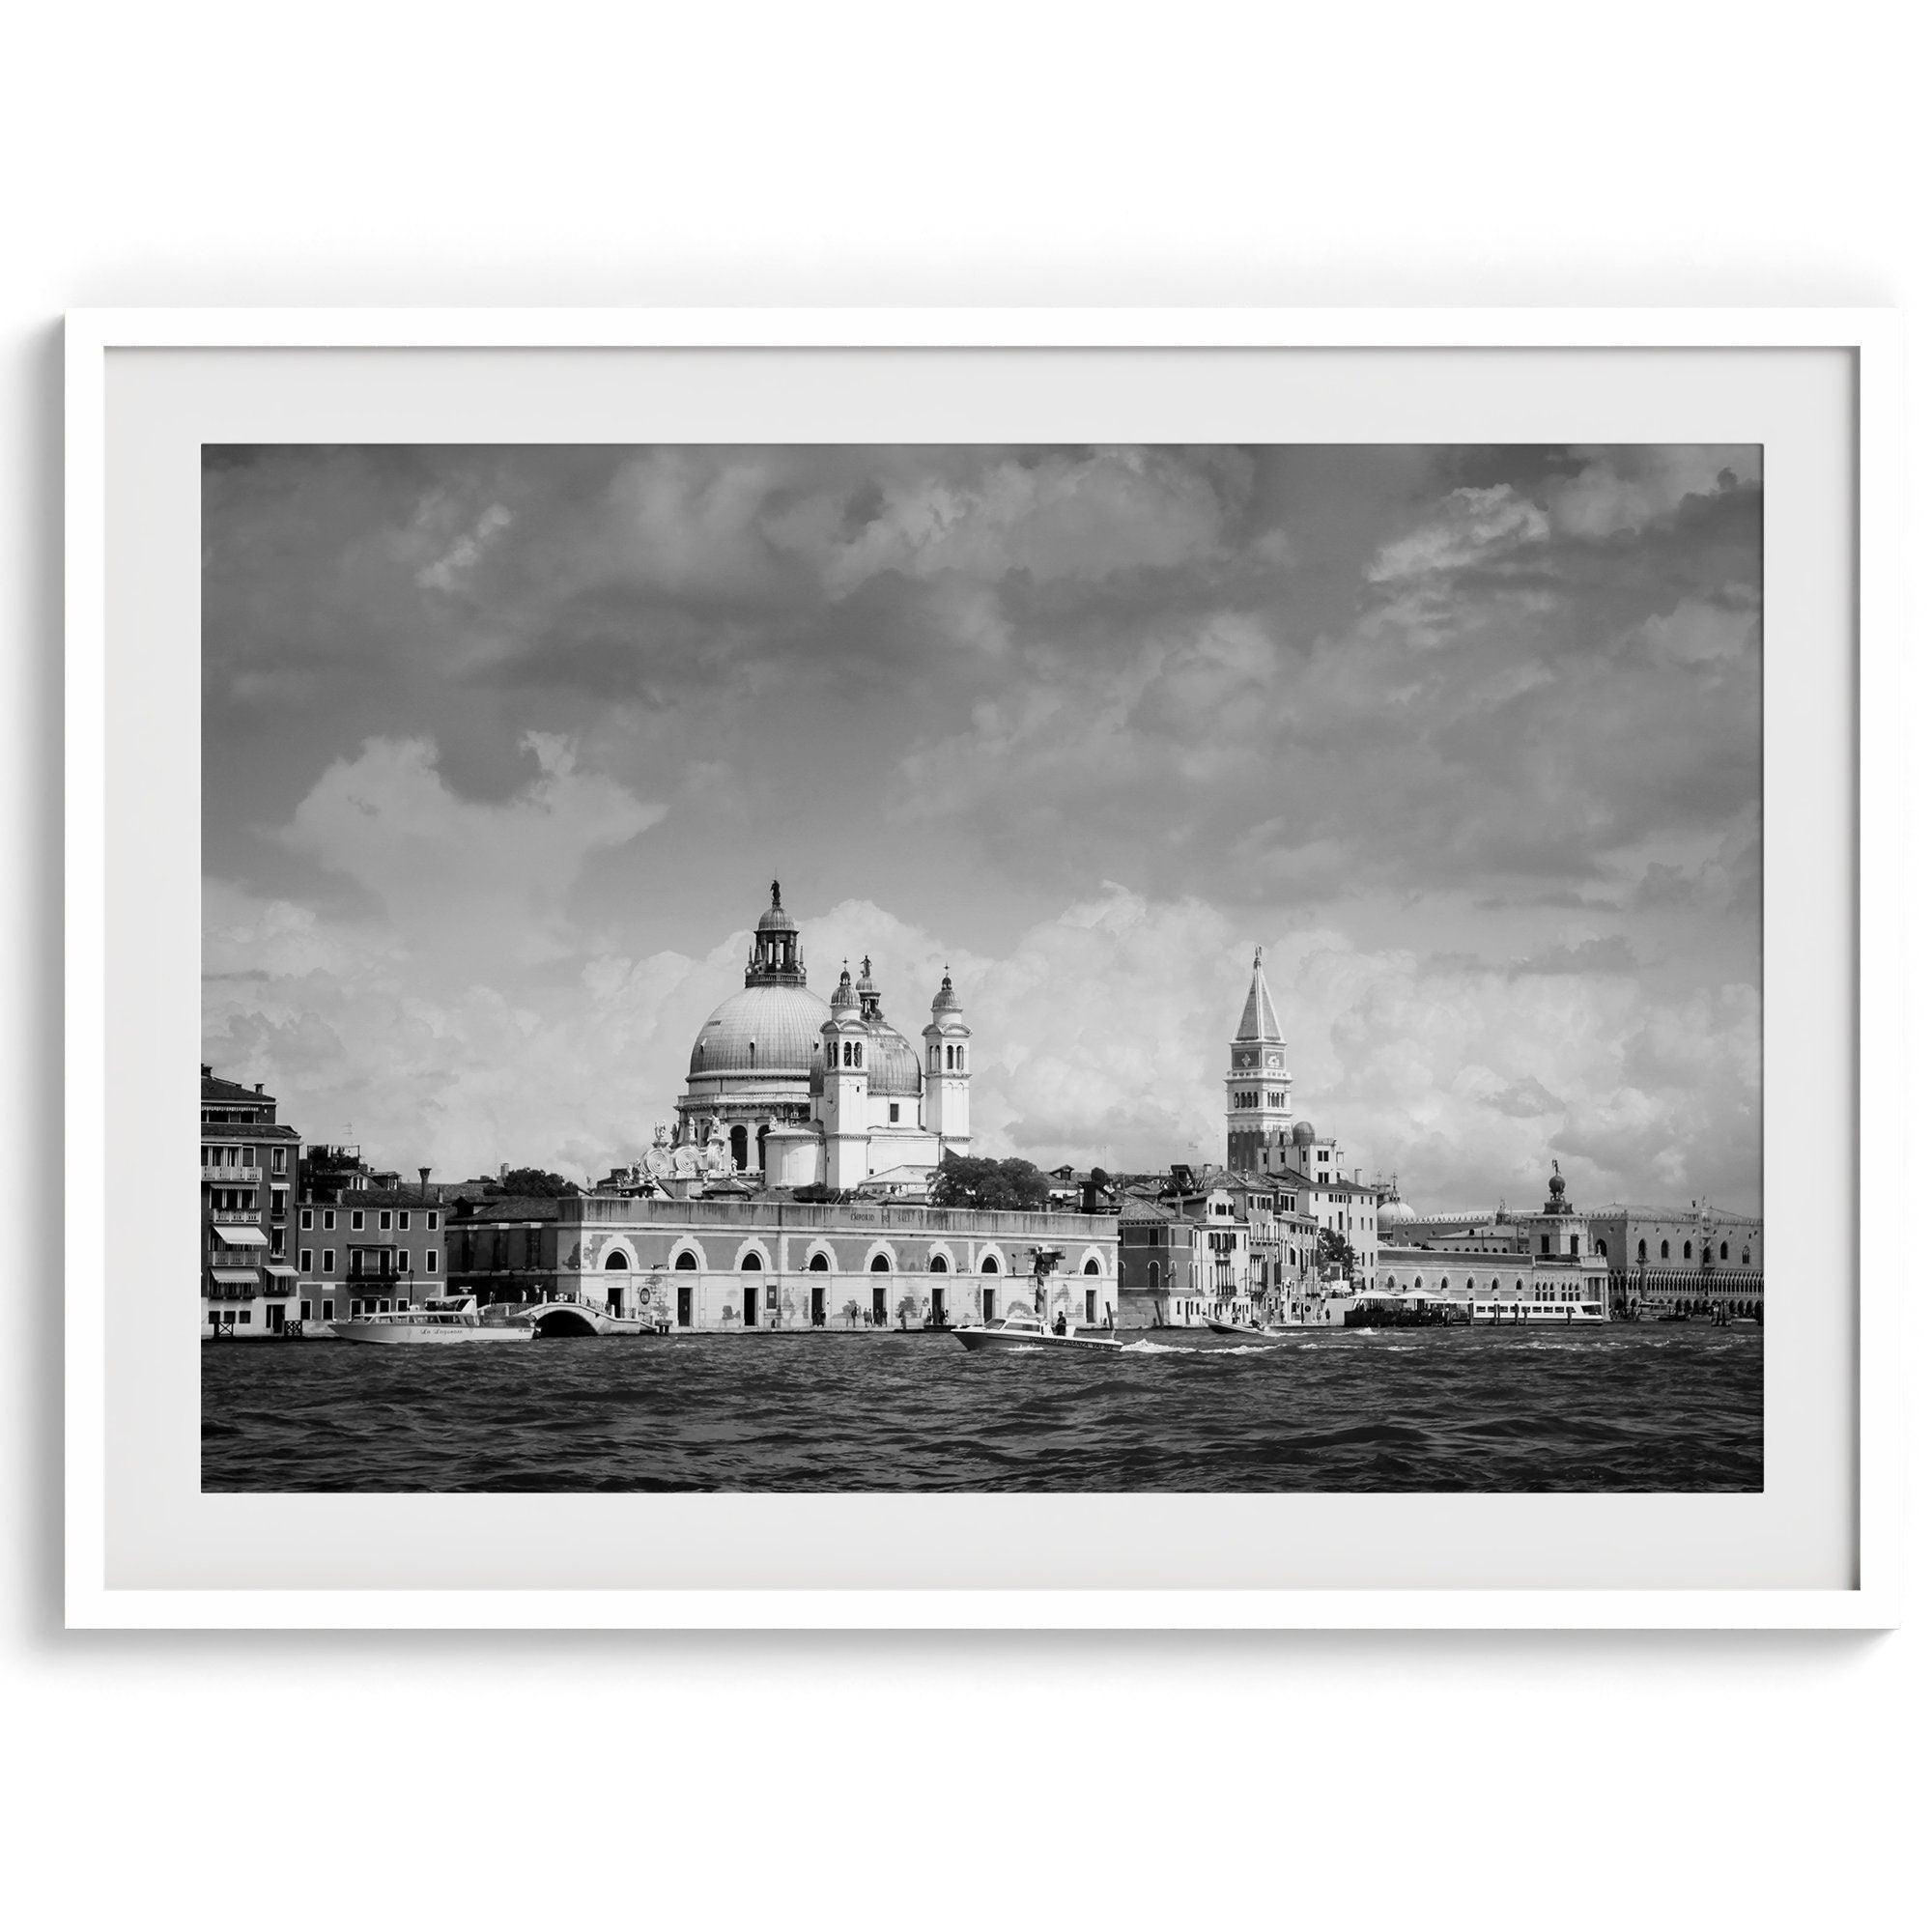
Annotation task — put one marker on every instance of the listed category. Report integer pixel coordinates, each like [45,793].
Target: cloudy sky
[503,747]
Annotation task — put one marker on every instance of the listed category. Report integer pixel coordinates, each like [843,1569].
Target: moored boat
[441,1321]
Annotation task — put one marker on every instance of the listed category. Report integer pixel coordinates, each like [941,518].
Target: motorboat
[1028,1332]
[443,1319]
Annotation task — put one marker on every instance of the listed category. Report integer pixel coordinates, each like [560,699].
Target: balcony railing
[229,1176]
[236,1217]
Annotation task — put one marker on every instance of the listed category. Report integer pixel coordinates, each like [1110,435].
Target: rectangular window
[328,1220]
[431,1222]
[382,1221]
[403,1261]
[244,1318]
[328,1311]
[403,1220]
[355,1220]
[307,1219]
[280,1163]
[893,1112]
[308,1260]
[304,1312]
[328,1261]
[278,1241]
[431,1261]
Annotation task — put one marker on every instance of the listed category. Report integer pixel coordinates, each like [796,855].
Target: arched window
[739,1148]
[617,1259]
[1746,1258]
[1707,1257]
[1643,1251]
[1469,1285]
[818,1264]
[1092,1266]
[686,1262]
[1723,1251]
[939,1265]
[990,1265]
[1603,1248]
[1154,1274]
[858,1053]
[935,1057]
[881,1264]
[1519,1284]
[1664,1251]
[753,1264]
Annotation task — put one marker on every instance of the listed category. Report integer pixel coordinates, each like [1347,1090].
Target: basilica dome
[1393,1212]
[762,1029]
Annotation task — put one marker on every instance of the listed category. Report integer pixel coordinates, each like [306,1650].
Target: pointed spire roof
[1258,1020]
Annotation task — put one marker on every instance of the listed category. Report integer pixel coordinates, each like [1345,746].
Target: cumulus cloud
[510,735]
[456,870]
[1469,526]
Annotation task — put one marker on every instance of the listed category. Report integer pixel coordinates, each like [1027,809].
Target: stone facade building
[764,1262]
[250,1170]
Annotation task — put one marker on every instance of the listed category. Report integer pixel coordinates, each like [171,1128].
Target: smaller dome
[1304,1133]
[946,999]
[1558,1186]
[844,1000]
[775,917]
[894,1065]
[1393,1212]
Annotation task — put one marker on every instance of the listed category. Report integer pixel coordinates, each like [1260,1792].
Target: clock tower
[1259,1087]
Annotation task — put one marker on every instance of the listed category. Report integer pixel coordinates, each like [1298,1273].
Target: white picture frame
[1871,1595]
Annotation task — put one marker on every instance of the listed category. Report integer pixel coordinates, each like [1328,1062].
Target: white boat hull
[996,1339]
[403,1334]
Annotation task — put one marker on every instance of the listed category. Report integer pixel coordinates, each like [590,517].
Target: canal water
[1626,1407]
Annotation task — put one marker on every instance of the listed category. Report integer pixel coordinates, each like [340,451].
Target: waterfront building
[804,1093]
[762,1260]
[365,1250]
[250,1167]
[1694,1261]
[1697,1261]
[1215,1246]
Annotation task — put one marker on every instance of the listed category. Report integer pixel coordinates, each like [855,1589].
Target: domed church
[802,1093]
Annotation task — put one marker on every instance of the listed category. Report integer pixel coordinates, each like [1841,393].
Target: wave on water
[1628,1410]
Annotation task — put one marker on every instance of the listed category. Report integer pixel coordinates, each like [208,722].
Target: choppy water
[1628,1407]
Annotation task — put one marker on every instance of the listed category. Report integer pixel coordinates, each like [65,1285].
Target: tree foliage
[537,1183]
[1332,1251]
[966,1181]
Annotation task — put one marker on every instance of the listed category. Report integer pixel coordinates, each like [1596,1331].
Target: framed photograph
[984,968]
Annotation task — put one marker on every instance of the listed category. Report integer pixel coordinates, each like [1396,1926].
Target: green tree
[538,1182]
[1332,1251]
[968,1181]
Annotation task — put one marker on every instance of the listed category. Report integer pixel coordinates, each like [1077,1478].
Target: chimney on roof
[207,1071]
[422,1175]
[258,1086]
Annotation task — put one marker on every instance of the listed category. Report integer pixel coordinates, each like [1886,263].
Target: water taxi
[448,1319]
[1025,1329]
[1028,1331]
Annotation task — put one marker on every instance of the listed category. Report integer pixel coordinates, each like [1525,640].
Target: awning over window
[237,1236]
[281,1267]
[236,1277]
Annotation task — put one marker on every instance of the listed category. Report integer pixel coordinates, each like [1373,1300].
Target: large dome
[762,1029]
[1393,1212]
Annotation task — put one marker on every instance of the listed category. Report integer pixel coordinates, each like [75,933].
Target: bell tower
[945,1113]
[1259,1087]
[847,1082]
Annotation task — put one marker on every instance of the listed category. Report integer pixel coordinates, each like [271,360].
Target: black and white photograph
[982,968]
